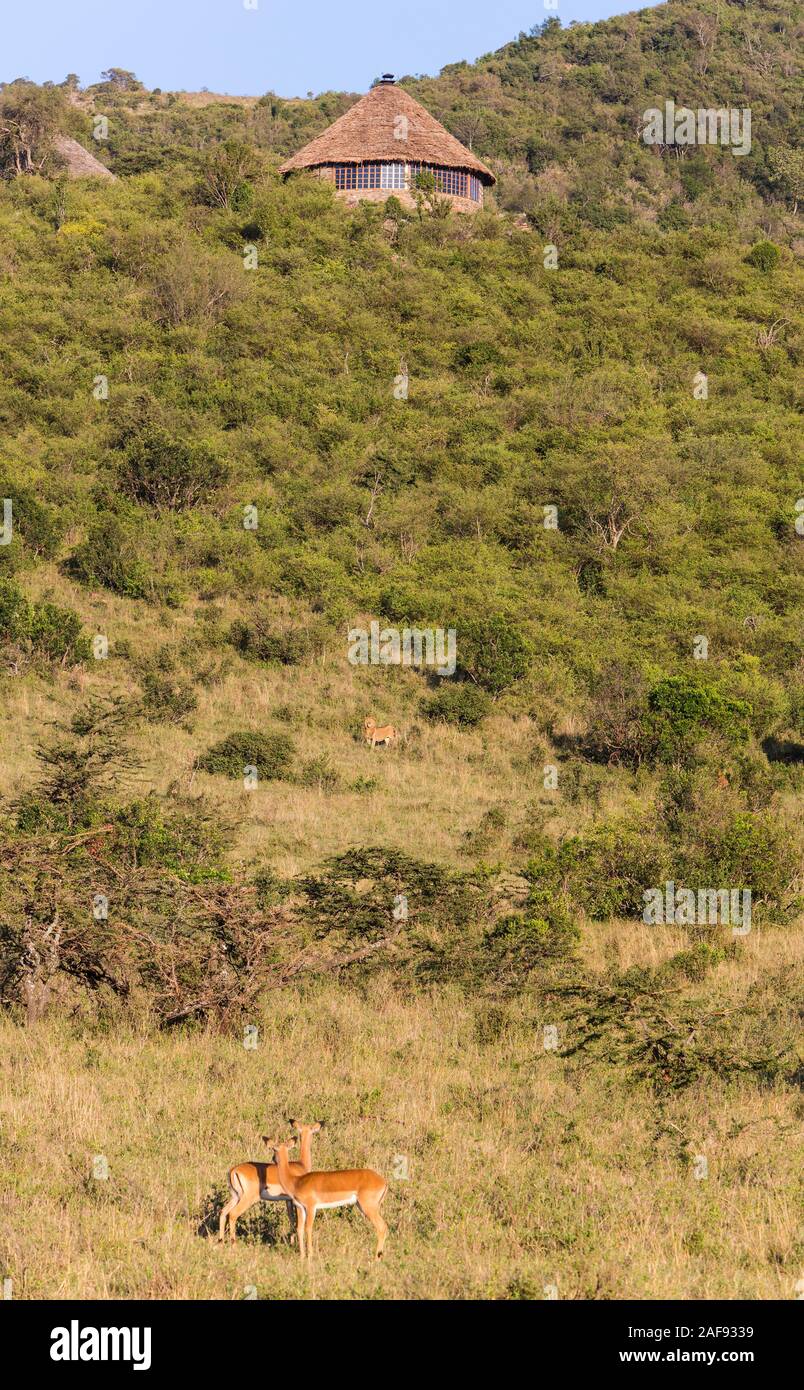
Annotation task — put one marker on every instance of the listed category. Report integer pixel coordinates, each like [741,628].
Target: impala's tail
[237,1190]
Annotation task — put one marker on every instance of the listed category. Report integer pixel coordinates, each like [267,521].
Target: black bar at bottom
[161,1339]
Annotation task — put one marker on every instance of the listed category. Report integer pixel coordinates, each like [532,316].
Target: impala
[255,1182]
[313,1192]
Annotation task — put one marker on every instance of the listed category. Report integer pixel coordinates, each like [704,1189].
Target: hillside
[555,113]
[593,479]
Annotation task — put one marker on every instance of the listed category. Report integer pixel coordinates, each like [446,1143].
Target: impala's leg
[239,1208]
[310,1218]
[234,1200]
[371,1209]
[292,1218]
[301,1222]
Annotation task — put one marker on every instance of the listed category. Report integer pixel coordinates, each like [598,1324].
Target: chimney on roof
[388,78]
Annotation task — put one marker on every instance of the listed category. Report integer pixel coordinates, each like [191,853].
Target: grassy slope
[525,1169]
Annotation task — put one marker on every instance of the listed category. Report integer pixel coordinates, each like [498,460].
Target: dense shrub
[164,471]
[39,525]
[111,558]
[492,652]
[744,850]
[185,836]
[53,632]
[56,632]
[683,710]
[520,944]
[638,1021]
[460,703]
[15,612]
[167,697]
[764,255]
[356,893]
[271,754]
[260,640]
[611,867]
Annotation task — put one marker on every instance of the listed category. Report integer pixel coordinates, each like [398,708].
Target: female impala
[317,1191]
[254,1182]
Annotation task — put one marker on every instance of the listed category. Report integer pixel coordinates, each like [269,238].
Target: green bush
[184,836]
[56,633]
[607,870]
[355,894]
[683,711]
[460,703]
[38,525]
[258,641]
[167,697]
[745,851]
[164,471]
[694,964]
[15,612]
[492,652]
[519,944]
[109,558]
[271,754]
[49,630]
[674,217]
[764,256]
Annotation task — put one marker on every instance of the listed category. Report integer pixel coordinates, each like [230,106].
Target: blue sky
[286,46]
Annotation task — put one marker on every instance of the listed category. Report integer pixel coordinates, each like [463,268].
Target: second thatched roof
[370,130]
[80,163]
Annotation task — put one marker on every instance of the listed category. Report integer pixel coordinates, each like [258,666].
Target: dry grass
[432,790]
[524,1169]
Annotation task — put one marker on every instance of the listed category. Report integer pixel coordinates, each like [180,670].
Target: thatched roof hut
[79,162]
[383,142]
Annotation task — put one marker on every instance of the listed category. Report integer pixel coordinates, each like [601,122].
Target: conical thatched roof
[367,131]
[80,163]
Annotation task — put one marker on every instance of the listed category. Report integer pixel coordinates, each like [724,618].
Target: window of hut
[451,181]
[393,176]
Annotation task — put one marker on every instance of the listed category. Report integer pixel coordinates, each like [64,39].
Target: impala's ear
[294,1124]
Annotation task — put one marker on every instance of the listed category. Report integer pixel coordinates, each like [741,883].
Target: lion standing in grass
[373,733]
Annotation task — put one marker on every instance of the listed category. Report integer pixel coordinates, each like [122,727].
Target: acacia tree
[787,166]
[30,117]
[607,495]
[227,173]
[121,80]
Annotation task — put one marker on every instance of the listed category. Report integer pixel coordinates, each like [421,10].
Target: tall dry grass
[525,1170]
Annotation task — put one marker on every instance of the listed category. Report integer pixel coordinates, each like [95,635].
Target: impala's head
[276,1144]
[306,1129]
[369,723]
